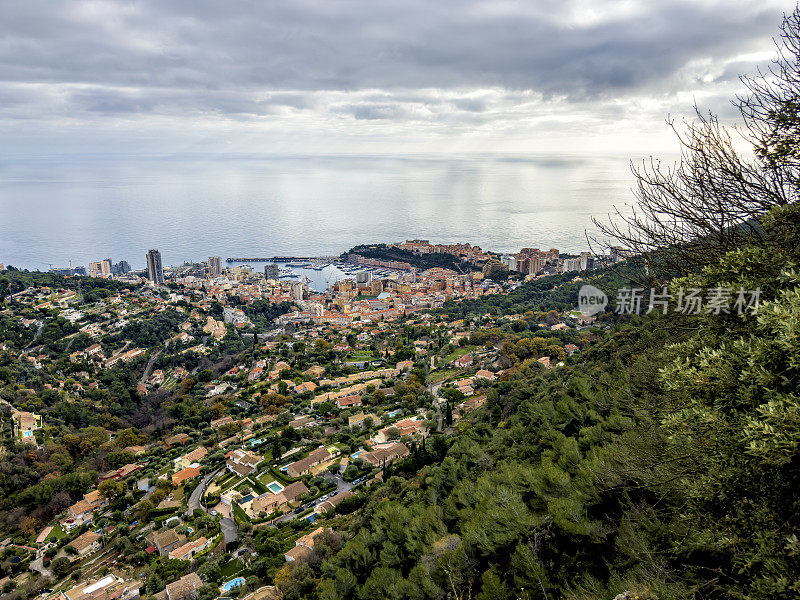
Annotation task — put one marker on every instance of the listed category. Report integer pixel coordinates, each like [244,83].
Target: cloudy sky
[358,76]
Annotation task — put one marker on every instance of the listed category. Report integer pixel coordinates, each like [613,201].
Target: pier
[283,259]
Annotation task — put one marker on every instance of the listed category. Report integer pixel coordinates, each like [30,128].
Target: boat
[303,264]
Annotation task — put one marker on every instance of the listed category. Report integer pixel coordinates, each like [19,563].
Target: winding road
[195,502]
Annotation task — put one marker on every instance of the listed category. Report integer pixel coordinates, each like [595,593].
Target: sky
[331,77]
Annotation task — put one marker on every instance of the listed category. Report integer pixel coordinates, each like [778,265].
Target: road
[38,333]
[195,502]
[433,388]
[229,531]
[149,367]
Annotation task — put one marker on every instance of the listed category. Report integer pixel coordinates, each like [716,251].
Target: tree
[713,201]
[60,566]
[154,584]
[111,489]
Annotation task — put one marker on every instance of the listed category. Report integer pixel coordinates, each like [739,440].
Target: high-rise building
[214,266]
[100,268]
[510,261]
[271,271]
[121,268]
[298,290]
[364,277]
[155,272]
[587,261]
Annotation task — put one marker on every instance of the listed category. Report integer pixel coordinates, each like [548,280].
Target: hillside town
[203,433]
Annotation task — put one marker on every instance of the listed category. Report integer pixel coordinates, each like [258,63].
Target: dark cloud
[360,44]
[451,63]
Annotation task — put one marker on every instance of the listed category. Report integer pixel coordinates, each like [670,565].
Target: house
[110,587]
[176,440]
[406,427]
[349,401]
[80,512]
[305,545]
[302,423]
[298,554]
[470,405]
[484,374]
[217,423]
[166,541]
[464,361]
[95,499]
[191,457]
[331,503]
[315,372]
[183,588]
[185,475]
[570,349]
[122,472]
[385,454]
[360,420]
[86,542]
[545,360]
[243,462]
[303,466]
[268,503]
[306,386]
[25,423]
[190,549]
[405,365]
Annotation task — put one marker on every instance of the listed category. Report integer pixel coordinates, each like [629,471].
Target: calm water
[52,211]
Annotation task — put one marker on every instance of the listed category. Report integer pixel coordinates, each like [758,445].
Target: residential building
[269,503]
[25,423]
[188,550]
[214,266]
[121,268]
[304,545]
[243,462]
[360,420]
[86,543]
[100,269]
[303,466]
[385,454]
[166,541]
[110,587]
[185,475]
[331,503]
[190,457]
[155,271]
[183,588]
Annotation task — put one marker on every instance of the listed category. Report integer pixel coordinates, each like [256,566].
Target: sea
[59,211]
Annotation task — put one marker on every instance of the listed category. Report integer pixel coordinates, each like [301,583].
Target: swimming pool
[246,499]
[236,582]
[274,487]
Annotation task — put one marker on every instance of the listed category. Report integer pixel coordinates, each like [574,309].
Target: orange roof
[184,474]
